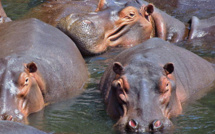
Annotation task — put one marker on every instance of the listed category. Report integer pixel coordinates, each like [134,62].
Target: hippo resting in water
[126,23]
[8,127]
[3,16]
[38,65]
[146,85]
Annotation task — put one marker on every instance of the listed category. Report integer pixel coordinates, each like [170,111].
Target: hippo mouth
[113,37]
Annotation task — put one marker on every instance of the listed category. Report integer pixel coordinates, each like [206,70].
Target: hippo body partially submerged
[124,23]
[51,11]
[185,9]
[9,127]
[38,65]
[146,85]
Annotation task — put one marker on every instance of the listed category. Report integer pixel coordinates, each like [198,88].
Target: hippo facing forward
[147,84]
[38,65]
[125,23]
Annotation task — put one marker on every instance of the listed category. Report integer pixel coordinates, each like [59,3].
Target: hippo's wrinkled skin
[51,11]
[8,127]
[146,85]
[38,65]
[125,23]
[3,16]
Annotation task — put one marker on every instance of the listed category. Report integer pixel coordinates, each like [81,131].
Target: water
[86,115]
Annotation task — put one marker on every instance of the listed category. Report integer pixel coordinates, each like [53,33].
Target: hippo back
[9,127]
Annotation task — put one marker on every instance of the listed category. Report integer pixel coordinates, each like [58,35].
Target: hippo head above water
[21,90]
[146,103]
[112,24]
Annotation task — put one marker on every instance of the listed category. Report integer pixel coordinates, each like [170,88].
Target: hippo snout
[6,117]
[134,126]
[86,34]
[17,116]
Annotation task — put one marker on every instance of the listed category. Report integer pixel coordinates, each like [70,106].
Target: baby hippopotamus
[145,86]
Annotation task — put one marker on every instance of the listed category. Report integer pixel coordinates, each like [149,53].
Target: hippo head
[113,23]
[20,91]
[143,98]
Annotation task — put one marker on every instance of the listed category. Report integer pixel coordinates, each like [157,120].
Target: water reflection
[15,9]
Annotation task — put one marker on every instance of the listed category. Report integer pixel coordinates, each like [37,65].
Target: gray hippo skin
[51,11]
[121,23]
[146,85]
[38,65]
[201,28]
[9,127]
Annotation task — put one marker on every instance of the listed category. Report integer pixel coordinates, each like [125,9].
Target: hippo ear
[168,68]
[147,10]
[118,68]
[101,5]
[32,67]
[108,3]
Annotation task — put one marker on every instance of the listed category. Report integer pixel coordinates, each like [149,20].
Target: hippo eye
[131,14]
[167,84]
[26,81]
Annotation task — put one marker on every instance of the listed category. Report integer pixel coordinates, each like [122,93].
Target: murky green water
[86,115]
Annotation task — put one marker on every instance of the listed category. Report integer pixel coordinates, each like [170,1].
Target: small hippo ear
[101,5]
[118,68]
[32,67]
[168,68]
[147,10]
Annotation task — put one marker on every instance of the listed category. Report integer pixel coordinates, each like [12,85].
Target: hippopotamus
[123,23]
[39,65]
[9,127]
[178,8]
[146,85]
[51,11]
[3,16]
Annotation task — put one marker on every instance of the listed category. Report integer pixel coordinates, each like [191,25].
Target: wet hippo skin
[38,65]
[122,23]
[145,86]
[51,11]
[8,127]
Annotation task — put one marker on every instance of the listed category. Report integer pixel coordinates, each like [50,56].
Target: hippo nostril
[87,21]
[133,123]
[156,125]
[10,118]
[6,117]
